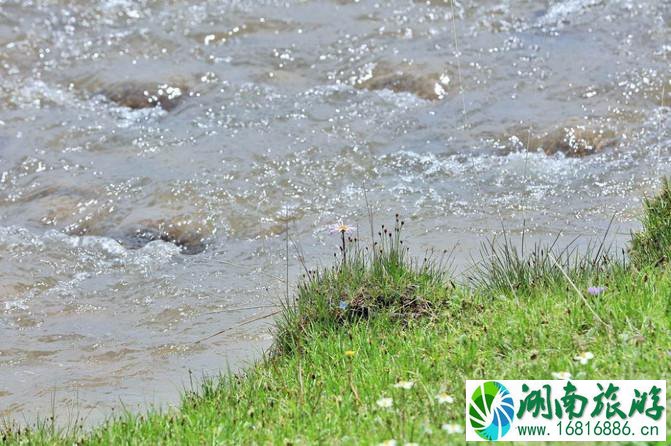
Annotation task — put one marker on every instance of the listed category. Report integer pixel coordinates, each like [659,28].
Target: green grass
[653,245]
[363,325]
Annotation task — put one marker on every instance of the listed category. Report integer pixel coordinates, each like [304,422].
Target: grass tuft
[504,269]
[652,245]
[367,282]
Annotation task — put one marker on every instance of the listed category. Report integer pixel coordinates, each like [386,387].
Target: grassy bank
[378,347]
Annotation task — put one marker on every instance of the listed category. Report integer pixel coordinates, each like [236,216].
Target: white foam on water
[157,251]
[129,118]
[17,236]
[539,165]
[98,248]
[18,304]
[427,163]
[564,10]
[401,99]
[37,94]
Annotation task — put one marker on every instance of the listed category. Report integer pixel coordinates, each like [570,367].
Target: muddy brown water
[151,150]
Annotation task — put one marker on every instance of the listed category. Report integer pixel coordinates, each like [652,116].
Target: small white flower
[444,398]
[584,357]
[407,385]
[561,375]
[385,403]
[341,228]
[452,428]
[391,442]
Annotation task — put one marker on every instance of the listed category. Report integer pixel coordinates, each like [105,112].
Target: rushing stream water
[129,231]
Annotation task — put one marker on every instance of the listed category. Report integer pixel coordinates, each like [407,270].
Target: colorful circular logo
[491,410]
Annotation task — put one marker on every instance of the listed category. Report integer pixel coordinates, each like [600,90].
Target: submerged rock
[137,95]
[191,239]
[79,212]
[431,87]
[250,27]
[573,140]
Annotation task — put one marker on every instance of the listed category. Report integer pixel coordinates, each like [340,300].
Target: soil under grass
[378,319]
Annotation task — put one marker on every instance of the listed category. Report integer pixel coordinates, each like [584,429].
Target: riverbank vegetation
[377,348]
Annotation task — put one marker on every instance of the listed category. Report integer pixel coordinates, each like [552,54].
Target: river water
[128,232]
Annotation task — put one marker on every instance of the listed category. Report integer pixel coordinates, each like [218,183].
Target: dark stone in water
[574,139]
[139,237]
[190,242]
[431,87]
[577,141]
[146,95]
